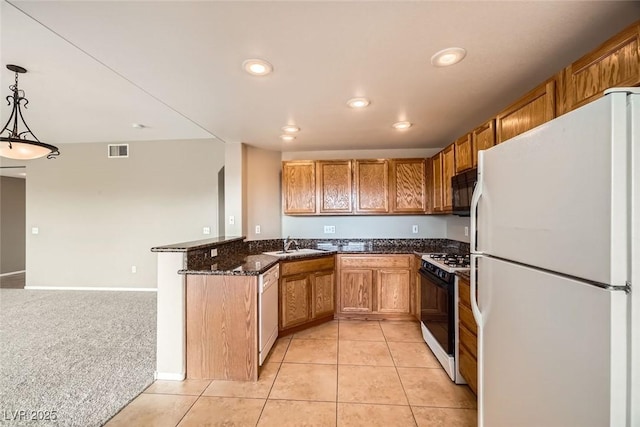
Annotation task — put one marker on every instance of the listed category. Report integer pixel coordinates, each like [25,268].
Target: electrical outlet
[329,229]
[214,253]
[257,229]
[414,229]
[466,231]
[232,220]
[134,269]
[206,230]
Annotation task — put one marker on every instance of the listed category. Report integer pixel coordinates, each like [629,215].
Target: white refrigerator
[555,244]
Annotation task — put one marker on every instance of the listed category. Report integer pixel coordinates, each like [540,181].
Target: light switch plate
[35,230]
[414,229]
[206,230]
[466,231]
[329,229]
[257,229]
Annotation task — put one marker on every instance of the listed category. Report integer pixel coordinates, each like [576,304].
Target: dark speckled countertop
[197,244]
[236,265]
[247,258]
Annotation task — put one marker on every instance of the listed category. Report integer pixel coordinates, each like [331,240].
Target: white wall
[263,206]
[396,226]
[97,216]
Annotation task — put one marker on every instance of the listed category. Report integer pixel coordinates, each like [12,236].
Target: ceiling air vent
[118,150]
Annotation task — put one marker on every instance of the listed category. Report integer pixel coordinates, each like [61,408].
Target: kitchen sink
[295,252]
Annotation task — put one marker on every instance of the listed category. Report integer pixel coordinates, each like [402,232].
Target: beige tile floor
[341,373]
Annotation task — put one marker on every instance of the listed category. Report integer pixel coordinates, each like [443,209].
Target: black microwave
[462,186]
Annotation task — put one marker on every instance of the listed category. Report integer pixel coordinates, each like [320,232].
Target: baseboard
[11,273]
[77,288]
[169,376]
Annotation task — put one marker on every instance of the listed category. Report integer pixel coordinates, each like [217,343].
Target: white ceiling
[97,67]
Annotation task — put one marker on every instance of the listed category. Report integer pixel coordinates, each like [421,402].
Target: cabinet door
[393,290]
[322,294]
[448,170]
[484,137]
[334,182]
[615,63]
[294,300]
[372,186]
[356,291]
[464,153]
[299,187]
[408,186]
[533,109]
[436,167]
[429,189]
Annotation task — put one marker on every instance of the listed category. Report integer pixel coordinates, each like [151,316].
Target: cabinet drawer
[468,339]
[289,268]
[368,261]
[468,368]
[467,319]
[464,292]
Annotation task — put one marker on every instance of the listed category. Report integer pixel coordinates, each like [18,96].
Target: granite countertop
[237,265]
[197,244]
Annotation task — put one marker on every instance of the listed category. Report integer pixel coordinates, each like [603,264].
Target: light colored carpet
[83,354]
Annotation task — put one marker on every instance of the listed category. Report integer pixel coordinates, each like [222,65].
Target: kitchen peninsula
[223,274]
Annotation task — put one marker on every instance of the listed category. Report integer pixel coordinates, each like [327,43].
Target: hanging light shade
[21,144]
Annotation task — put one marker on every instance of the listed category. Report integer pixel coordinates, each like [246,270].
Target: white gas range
[439,308]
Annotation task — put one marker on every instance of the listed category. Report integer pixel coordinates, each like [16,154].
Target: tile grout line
[395,365]
[274,381]
[193,404]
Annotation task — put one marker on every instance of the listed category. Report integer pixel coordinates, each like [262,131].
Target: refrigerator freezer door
[552,349]
[556,197]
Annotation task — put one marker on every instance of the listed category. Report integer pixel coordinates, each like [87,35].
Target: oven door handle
[433,278]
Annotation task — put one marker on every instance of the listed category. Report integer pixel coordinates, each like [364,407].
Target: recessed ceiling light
[257,67]
[358,102]
[448,56]
[290,129]
[402,125]
[137,125]
[287,137]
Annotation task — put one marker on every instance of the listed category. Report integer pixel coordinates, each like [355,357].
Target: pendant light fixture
[17,144]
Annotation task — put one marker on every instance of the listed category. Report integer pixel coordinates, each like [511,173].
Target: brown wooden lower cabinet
[375,286]
[468,336]
[307,293]
[222,327]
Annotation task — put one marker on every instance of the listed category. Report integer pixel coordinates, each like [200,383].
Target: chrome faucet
[287,244]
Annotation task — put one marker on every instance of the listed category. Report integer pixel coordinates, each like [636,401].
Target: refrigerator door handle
[473,289]
[475,199]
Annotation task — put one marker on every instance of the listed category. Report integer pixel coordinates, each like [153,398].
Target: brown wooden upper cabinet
[408,186]
[448,171]
[299,187]
[429,189]
[372,186]
[533,109]
[614,63]
[484,137]
[334,182]
[464,153]
[436,168]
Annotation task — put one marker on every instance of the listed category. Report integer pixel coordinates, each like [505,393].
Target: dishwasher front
[268,313]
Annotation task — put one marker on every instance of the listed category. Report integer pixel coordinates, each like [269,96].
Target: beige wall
[456,228]
[364,226]
[235,189]
[12,224]
[97,217]
[263,206]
